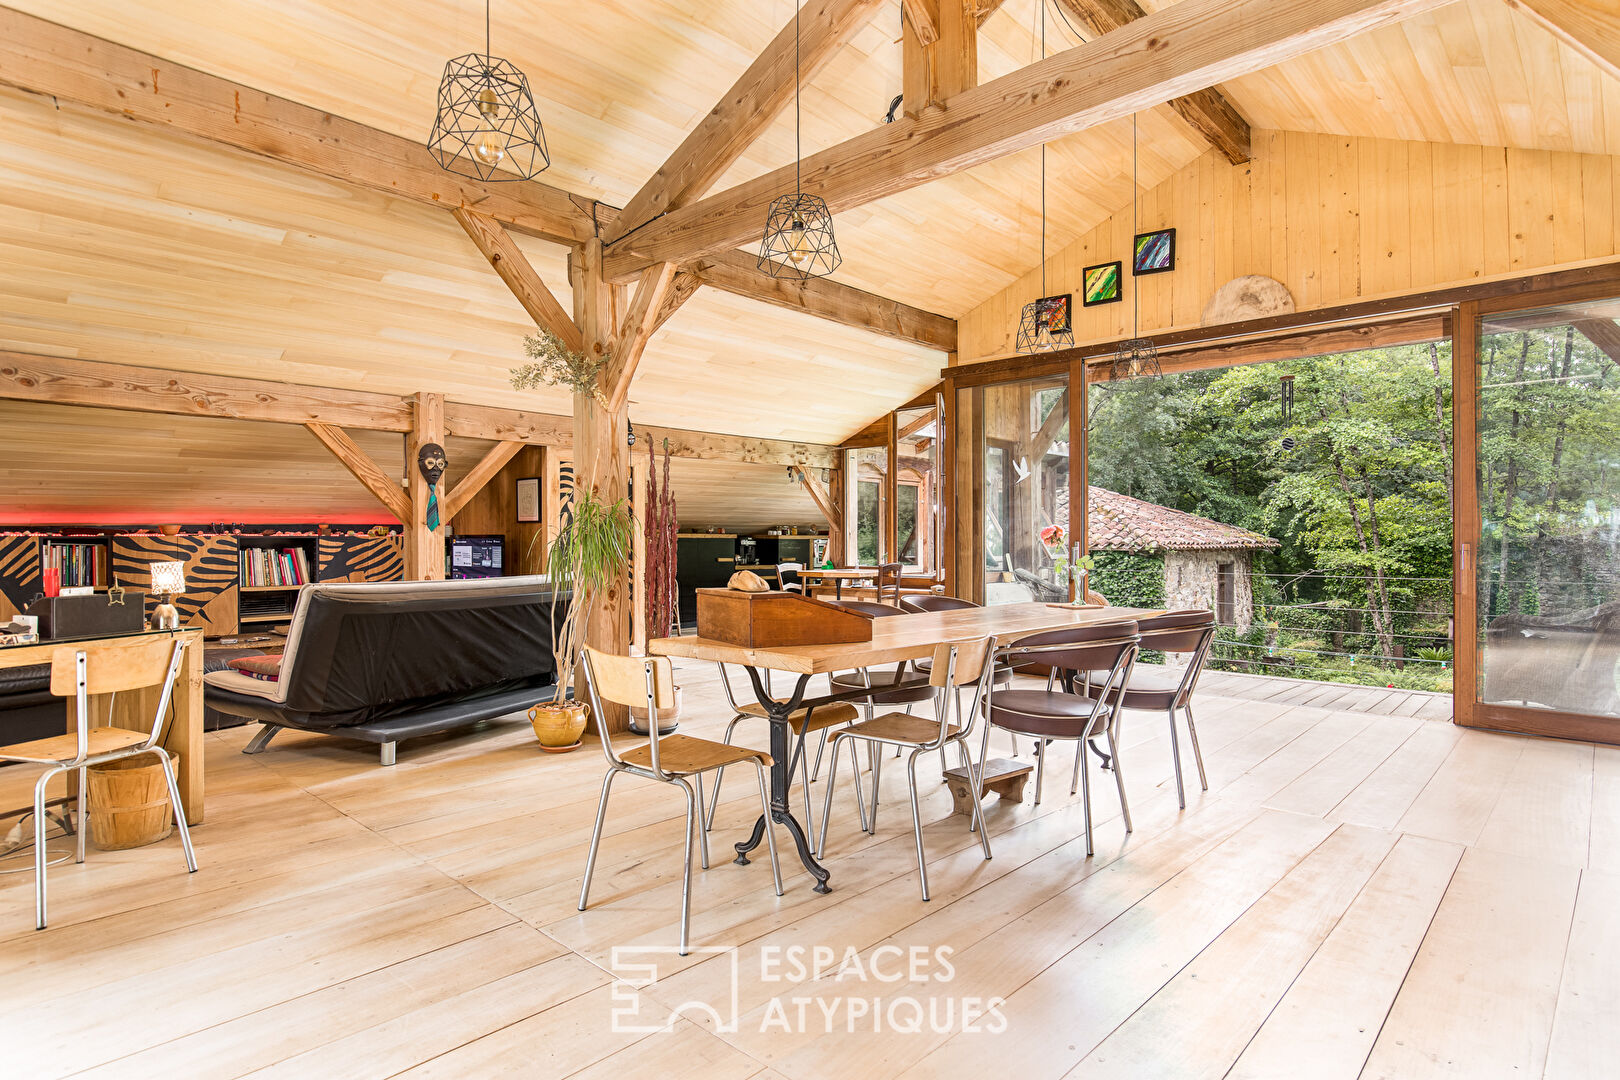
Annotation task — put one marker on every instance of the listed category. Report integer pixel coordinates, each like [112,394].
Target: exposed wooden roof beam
[680,291]
[479,475]
[68,381]
[384,488]
[923,18]
[43,57]
[745,110]
[1590,27]
[737,272]
[520,276]
[639,324]
[935,71]
[823,500]
[1604,333]
[1209,111]
[1172,52]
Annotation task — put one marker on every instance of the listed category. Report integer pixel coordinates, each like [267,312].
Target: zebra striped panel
[362,558]
[19,573]
[211,575]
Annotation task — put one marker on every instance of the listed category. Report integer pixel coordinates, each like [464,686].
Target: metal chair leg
[40,827]
[703,825]
[832,783]
[877,777]
[1085,784]
[916,820]
[179,811]
[83,824]
[719,775]
[1079,753]
[1198,755]
[804,777]
[1040,768]
[1175,756]
[854,767]
[770,829]
[686,875]
[815,771]
[1119,781]
[596,837]
[974,778]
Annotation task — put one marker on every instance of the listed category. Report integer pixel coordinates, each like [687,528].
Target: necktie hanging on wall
[431,461]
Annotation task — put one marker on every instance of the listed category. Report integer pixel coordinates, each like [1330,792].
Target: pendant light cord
[1136,291]
[487,45]
[1043,165]
[798,122]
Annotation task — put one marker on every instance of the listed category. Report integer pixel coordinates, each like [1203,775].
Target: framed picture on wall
[1155,252]
[1102,284]
[528,499]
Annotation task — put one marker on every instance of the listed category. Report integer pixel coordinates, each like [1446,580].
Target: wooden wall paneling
[212,574]
[493,511]
[485,470]
[424,547]
[1335,219]
[361,558]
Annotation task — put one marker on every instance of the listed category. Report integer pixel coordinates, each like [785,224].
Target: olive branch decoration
[552,363]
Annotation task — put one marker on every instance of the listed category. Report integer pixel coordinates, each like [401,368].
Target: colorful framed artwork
[1055,314]
[1102,284]
[1155,252]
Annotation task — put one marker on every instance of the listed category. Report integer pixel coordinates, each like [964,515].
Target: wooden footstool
[1000,775]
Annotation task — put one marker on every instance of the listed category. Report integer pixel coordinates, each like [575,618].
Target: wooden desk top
[846,573]
[898,637]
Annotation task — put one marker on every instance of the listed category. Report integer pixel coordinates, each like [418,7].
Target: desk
[135,708]
[895,640]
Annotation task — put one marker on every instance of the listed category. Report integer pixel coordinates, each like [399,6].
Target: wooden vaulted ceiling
[143,246]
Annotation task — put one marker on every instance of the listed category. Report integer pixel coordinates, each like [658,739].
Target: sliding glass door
[1539,564]
[1022,433]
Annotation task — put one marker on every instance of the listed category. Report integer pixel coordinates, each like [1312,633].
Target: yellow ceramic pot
[558,726]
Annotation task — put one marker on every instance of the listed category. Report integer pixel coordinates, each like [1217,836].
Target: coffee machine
[747,550]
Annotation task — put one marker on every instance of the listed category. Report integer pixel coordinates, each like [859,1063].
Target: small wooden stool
[1003,776]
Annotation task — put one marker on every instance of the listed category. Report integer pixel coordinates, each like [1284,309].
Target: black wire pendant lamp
[798,231]
[1048,322]
[487,119]
[1137,358]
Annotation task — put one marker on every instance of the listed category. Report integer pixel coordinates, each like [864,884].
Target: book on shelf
[275,567]
[80,564]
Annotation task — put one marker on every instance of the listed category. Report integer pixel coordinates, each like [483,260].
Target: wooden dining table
[837,576]
[895,640]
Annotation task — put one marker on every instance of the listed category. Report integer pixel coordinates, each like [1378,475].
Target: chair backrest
[787,576]
[1177,631]
[114,666]
[1095,647]
[934,602]
[646,682]
[957,664]
[888,583]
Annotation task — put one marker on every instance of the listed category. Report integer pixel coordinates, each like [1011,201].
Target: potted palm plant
[588,553]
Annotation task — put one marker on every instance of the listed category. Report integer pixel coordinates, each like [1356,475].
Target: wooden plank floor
[1362,891]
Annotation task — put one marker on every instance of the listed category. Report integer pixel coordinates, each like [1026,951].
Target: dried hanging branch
[661,533]
[552,363]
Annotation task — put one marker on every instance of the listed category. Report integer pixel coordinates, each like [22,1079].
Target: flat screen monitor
[476,556]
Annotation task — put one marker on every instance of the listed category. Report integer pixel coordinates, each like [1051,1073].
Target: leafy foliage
[552,363]
[586,555]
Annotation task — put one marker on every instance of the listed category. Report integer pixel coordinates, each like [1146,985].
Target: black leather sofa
[390,661]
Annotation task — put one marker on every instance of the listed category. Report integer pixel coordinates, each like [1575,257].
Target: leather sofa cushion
[1039,712]
[238,683]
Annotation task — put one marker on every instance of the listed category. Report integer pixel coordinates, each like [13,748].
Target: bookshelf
[81,559]
[270,571]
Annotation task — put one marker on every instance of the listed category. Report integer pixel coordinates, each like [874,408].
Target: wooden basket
[129,803]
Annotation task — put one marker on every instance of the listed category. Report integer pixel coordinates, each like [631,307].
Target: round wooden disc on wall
[1251,296]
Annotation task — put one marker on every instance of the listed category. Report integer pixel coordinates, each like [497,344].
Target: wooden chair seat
[62,748]
[825,716]
[684,755]
[902,728]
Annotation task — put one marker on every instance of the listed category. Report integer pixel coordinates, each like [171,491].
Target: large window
[865,543]
[1025,462]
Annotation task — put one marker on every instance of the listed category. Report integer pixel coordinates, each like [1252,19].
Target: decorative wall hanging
[528,499]
[798,239]
[1154,252]
[1047,323]
[1252,296]
[487,119]
[431,462]
[1101,284]
[1137,358]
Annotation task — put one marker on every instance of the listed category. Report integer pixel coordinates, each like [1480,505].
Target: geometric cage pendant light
[798,240]
[486,118]
[1137,358]
[1046,323]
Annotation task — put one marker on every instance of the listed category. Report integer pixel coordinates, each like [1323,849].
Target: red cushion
[267,668]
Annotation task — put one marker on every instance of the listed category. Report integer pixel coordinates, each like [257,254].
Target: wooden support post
[601,454]
[424,548]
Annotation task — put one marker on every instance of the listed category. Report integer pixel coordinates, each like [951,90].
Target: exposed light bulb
[489,103]
[490,148]
[798,243]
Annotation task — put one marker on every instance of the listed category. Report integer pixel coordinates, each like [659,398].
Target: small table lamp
[168,581]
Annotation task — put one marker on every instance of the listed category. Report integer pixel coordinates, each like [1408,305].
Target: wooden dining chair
[668,759]
[1091,663]
[956,665]
[787,577]
[80,674]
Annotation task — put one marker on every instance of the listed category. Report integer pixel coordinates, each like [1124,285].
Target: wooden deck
[1361,892]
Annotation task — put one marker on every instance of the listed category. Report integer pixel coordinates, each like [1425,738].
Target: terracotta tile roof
[1121,523]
